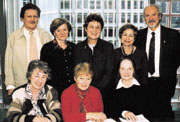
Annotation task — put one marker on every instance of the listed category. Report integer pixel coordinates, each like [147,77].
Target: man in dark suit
[162,46]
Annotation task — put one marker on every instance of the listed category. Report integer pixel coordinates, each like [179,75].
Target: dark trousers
[160,102]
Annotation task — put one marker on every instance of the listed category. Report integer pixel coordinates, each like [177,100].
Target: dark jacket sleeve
[109,68]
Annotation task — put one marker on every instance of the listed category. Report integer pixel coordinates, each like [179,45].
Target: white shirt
[157,49]
[120,84]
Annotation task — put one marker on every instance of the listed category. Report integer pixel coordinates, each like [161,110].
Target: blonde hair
[82,68]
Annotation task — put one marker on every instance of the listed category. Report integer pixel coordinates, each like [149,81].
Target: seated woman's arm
[54,108]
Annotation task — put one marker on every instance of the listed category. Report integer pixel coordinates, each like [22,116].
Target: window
[129,18]
[123,18]
[141,18]
[79,32]
[129,4]
[92,4]
[141,4]
[98,4]
[135,4]
[135,18]
[79,4]
[122,4]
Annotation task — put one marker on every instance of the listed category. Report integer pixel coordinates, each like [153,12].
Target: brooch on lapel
[164,41]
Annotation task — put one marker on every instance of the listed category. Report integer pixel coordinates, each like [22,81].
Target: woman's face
[93,30]
[61,33]
[83,81]
[38,80]
[126,70]
[127,38]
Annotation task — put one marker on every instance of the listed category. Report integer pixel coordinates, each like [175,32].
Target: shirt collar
[35,31]
[121,85]
[156,31]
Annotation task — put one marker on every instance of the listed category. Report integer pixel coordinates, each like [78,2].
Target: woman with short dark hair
[59,54]
[127,35]
[35,101]
[96,51]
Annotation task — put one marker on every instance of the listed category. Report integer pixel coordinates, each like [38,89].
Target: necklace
[124,53]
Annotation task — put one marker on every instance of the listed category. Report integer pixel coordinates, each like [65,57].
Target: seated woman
[35,101]
[80,101]
[127,35]
[128,97]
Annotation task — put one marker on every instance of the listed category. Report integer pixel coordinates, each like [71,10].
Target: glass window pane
[98,4]
[129,18]
[141,4]
[79,18]
[135,4]
[67,4]
[164,5]
[110,4]
[129,4]
[123,17]
[85,3]
[135,18]
[92,4]
[164,21]
[110,18]
[122,4]
[141,18]
[175,6]
[105,32]
[110,32]
[175,22]
[79,4]
[79,32]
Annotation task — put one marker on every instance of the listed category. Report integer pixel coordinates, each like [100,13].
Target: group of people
[57,80]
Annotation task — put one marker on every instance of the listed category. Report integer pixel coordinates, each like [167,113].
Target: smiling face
[152,17]
[61,33]
[126,70]
[30,19]
[127,38]
[93,30]
[37,80]
[83,81]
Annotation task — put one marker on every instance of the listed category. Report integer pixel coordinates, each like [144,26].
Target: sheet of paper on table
[140,118]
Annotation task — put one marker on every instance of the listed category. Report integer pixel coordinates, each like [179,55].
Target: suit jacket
[101,60]
[169,55]
[16,61]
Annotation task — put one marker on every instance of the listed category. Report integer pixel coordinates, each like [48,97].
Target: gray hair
[37,64]
[158,9]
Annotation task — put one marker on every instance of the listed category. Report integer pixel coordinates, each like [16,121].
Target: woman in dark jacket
[127,34]
[99,53]
[59,54]
[127,97]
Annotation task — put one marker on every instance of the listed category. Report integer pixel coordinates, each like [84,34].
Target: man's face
[30,19]
[152,18]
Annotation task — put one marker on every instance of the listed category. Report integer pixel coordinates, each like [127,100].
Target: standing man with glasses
[162,46]
[23,46]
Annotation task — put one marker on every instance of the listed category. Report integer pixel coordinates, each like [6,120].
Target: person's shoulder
[69,90]
[104,42]
[117,50]
[71,43]
[17,32]
[94,89]
[169,29]
[19,92]
[42,30]
[48,44]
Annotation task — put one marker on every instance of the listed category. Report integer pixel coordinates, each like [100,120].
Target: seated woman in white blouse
[127,98]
